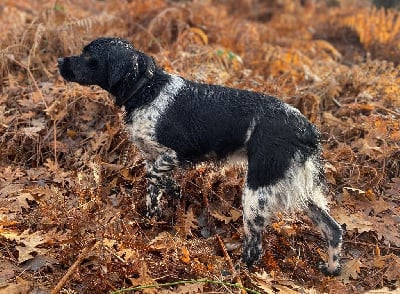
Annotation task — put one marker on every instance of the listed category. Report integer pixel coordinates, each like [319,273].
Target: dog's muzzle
[60,61]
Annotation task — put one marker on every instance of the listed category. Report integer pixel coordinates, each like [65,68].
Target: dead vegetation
[72,186]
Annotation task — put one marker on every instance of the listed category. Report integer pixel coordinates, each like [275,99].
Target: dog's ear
[115,69]
[119,67]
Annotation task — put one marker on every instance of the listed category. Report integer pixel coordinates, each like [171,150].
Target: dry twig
[231,266]
[73,267]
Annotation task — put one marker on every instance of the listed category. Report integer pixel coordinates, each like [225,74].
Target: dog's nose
[60,61]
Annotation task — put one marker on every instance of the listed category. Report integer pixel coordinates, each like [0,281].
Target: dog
[174,121]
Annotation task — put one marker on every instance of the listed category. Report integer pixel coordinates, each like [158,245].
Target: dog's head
[103,62]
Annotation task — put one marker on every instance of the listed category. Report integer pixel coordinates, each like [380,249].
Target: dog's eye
[92,63]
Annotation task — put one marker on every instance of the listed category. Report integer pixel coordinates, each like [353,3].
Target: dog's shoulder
[141,121]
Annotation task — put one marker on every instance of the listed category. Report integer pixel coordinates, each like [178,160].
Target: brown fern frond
[7,54]
[378,30]
[87,23]
[169,23]
[40,29]
[382,80]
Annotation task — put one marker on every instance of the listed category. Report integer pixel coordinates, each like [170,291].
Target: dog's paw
[326,270]
[153,212]
[173,189]
[153,197]
[251,254]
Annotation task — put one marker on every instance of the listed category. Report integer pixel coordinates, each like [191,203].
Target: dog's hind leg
[255,218]
[332,232]
[159,180]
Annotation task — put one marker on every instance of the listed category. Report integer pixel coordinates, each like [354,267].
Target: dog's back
[203,120]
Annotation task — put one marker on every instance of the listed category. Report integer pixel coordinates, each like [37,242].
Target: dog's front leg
[159,181]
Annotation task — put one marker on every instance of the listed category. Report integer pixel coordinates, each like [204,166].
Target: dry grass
[70,178]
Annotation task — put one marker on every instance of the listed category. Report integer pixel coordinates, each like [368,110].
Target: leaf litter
[70,178]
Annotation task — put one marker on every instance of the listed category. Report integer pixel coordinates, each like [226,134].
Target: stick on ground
[72,268]
[230,263]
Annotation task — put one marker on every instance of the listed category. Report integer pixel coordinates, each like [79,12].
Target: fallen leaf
[186,223]
[20,287]
[36,126]
[388,228]
[128,254]
[384,290]
[184,289]
[353,221]
[368,147]
[57,110]
[379,261]
[285,289]
[161,241]
[29,242]
[71,133]
[21,200]
[185,255]
[236,214]
[6,274]
[51,165]
[264,282]
[126,174]
[39,262]
[381,205]
[10,189]
[9,174]
[99,139]
[144,279]
[109,242]
[351,269]
[221,217]
[393,272]
[358,191]
[189,289]
[199,32]
[392,262]
[24,253]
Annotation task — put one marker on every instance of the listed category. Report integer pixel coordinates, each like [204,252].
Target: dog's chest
[143,121]
[142,132]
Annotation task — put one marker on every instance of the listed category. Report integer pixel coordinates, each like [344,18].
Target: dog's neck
[135,93]
[140,83]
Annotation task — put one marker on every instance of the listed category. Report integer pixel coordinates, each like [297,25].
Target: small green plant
[59,8]
[228,54]
[186,282]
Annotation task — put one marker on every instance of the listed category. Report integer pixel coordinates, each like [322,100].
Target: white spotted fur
[292,193]
[142,130]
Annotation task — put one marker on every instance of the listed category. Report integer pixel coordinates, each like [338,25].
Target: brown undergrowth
[71,182]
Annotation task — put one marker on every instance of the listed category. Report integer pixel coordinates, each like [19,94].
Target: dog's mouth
[64,69]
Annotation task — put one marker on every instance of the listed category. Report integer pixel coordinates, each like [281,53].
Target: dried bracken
[72,186]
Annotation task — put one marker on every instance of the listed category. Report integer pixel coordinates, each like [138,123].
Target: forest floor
[72,187]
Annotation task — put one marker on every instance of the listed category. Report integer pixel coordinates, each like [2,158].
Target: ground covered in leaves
[72,186]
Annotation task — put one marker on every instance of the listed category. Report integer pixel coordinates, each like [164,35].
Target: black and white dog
[173,120]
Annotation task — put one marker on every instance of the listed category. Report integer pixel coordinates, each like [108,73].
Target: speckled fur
[160,160]
[175,121]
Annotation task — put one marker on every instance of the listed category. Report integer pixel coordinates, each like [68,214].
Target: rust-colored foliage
[72,185]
